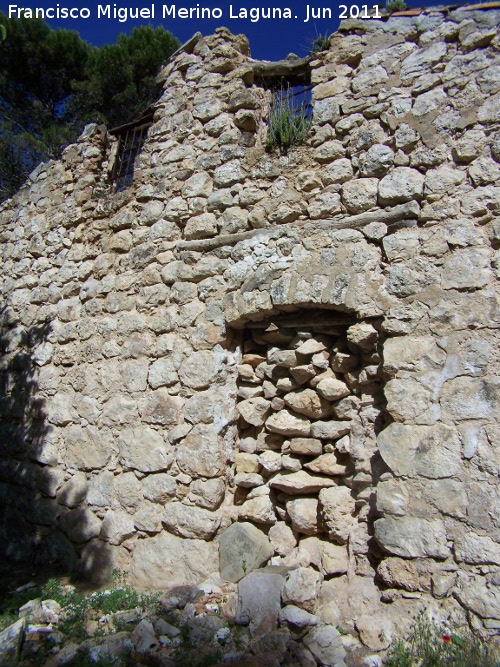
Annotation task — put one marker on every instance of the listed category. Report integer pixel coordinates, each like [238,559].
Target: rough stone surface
[336,506]
[166,560]
[242,548]
[411,537]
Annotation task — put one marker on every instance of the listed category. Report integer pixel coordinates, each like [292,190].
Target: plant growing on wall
[288,122]
[396,5]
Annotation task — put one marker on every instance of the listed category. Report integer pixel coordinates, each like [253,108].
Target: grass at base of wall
[429,646]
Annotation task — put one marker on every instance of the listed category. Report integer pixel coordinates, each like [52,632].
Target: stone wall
[306,342]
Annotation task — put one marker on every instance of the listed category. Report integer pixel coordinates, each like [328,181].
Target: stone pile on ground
[273,616]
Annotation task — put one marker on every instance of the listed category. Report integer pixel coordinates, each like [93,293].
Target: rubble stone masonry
[306,342]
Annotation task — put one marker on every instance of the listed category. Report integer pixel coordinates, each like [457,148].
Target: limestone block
[201,227]
[60,409]
[332,389]
[328,151]
[303,513]
[119,409]
[363,335]
[375,631]
[284,358]
[159,488]
[368,78]
[406,279]
[411,537]
[201,454]
[148,517]
[306,446]
[360,194]
[324,205]
[42,354]
[336,506]
[207,110]
[338,171]
[73,492]
[327,464]
[302,587]
[189,522]
[117,526]
[198,370]
[286,423]
[100,489]
[165,561]
[282,538]
[412,353]
[449,496]
[334,558]
[476,549]
[144,449]
[420,61]
[430,451]
[270,461]
[399,573]
[228,174]
[330,430]
[469,146]
[400,185]
[259,510]
[442,181]
[234,219]
[393,497]
[246,120]
[297,617]
[409,400]
[466,268]
[242,548]
[483,599]
[442,583]
[159,407]
[325,643]
[208,493]
[199,185]
[308,181]
[246,462]
[326,111]
[429,101]
[202,406]
[88,448]
[307,402]
[495,147]
[254,411]
[259,600]
[470,398]
[377,161]
[128,490]
[134,374]
[300,482]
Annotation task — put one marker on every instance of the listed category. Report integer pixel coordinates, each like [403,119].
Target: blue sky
[270,39]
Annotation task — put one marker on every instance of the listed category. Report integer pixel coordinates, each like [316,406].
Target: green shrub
[428,646]
[288,123]
[396,5]
[321,43]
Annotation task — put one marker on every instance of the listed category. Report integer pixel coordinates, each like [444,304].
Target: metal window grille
[298,97]
[131,139]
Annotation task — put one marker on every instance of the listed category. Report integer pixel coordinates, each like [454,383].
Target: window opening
[131,138]
[290,116]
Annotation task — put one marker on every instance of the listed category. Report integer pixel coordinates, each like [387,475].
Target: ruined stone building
[198,332]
